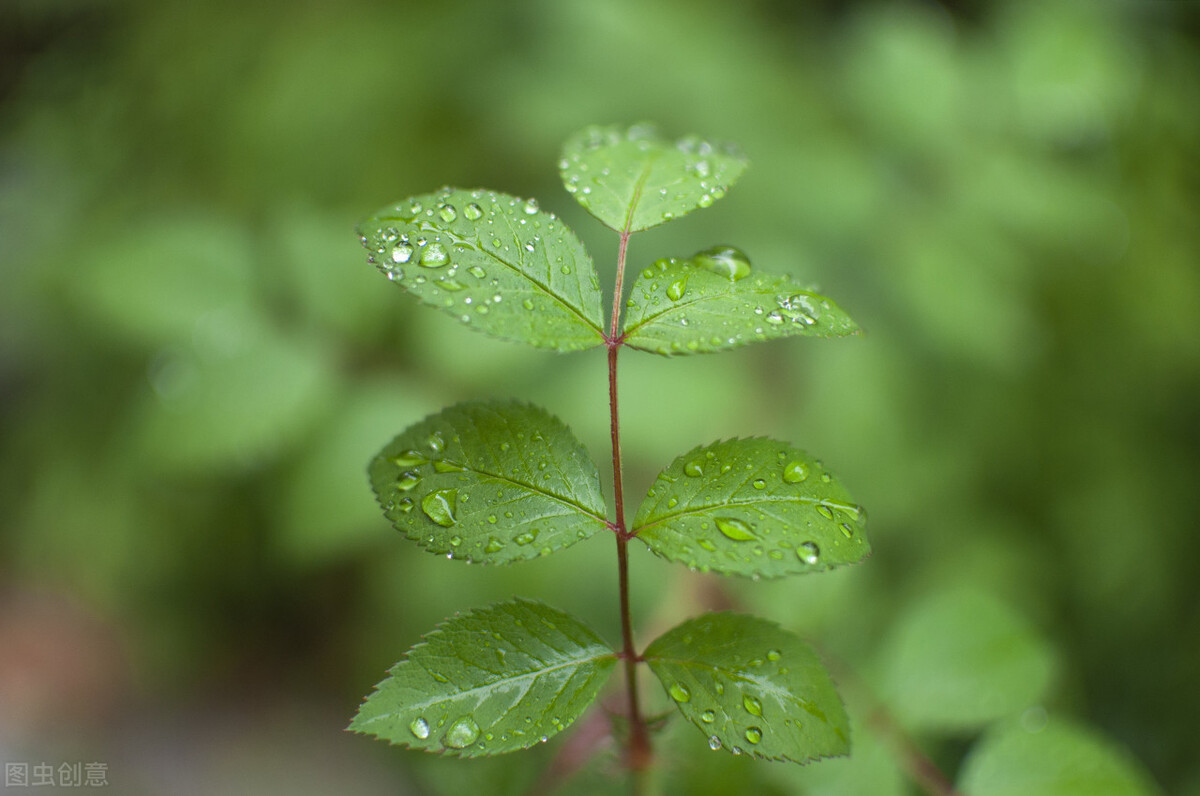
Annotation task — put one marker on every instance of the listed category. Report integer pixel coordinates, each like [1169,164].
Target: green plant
[499,482]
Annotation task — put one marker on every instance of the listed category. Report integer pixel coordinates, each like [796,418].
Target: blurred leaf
[961,659]
[489,482]
[459,693]
[240,393]
[710,303]
[752,687]
[634,179]
[1054,759]
[495,262]
[868,769]
[751,507]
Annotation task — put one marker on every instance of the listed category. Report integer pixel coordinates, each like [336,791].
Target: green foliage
[489,482]
[752,507]
[493,261]
[490,681]
[716,301]
[1054,758]
[751,687]
[633,179]
[961,659]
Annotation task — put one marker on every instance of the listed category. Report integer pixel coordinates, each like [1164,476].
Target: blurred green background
[196,362]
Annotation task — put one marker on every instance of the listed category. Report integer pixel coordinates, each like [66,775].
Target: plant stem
[639,754]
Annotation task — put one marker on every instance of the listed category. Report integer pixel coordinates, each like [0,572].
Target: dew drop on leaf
[774,655]
[825,511]
[676,289]
[473,212]
[752,705]
[714,742]
[419,728]
[753,734]
[408,481]
[494,545]
[760,483]
[462,733]
[441,466]
[735,529]
[434,256]
[795,472]
[531,207]
[694,468]
[726,261]
[808,552]
[439,506]
[679,692]
[447,213]
[708,717]
[402,253]
[526,538]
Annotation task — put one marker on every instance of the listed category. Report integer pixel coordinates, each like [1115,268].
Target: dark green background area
[196,362]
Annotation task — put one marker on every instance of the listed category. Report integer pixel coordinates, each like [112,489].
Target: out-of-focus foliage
[196,363]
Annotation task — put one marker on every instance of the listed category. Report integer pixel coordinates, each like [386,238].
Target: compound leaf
[714,301]
[961,659]
[489,681]
[752,687]
[493,482]
[751,507]
[1054,758]
[493,261]
[634,179]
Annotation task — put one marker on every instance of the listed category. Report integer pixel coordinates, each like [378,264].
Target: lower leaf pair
[511,675]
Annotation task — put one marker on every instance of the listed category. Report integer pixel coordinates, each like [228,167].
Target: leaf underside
[493,261]
[752,507]
[491,482]
[677,308]
[489,681]
[633,179]
[751,687]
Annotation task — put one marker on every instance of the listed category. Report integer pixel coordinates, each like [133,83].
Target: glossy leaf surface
[493,482]
[1053,758]
[961,659]
[493,261]
[752,507]
[489,681]
[751,687]
[715,301]
[633,179]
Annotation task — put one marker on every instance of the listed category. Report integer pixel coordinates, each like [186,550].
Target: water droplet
[795,472]
[435,442]
[531,207]
[825,511]
[527,304]
[694,468]
[679,692]
[462,733]
[808,552]
[707,545]
[407,481]
[708,717]
[566,269]
[448,213]
[753,734]
[714,742]
[447,467]
[473,212]
[676,289]
[726,261]
[477,272]
[774,655]
[420,728]
[760,483]
[405,505]
[752,705]
[735,529]
[402,253]
[455,541]
[847,531]
[439,506]
[526,538]
[494,545]
[409,458]
[434,256]
[672,503]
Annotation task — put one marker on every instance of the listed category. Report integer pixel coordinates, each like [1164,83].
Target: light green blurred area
[196,364]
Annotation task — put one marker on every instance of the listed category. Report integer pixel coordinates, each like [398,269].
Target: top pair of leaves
[505,267]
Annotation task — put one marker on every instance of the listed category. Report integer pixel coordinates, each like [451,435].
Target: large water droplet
[676,289]
[402,253]
[462,733]
[407,481]
[714,742]
[434,256]
[439,506]
[735,529]
[420,728]
[442,466]
[409,458]
[526,538]
[531,207]
[808,552]
[752,705]
[760,483]
[694,468]
[795,472]
[825,511]
[473,212]
[494,545]
[447,213]
[753,734]
[679,692]
[727,261]
[435,442]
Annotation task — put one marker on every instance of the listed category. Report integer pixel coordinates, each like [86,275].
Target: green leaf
[751,686]
[489,681]
[634,179]
[715,301]
[960,659]
[491,482]
[495,262]
[751,507]
[1051,759]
